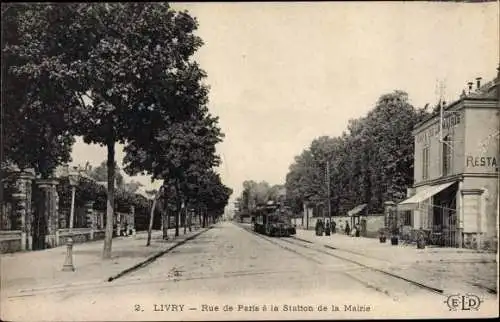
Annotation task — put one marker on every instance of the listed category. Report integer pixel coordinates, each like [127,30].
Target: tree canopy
[111,73]
[370,163]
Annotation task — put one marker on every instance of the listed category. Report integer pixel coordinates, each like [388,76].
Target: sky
[282,74]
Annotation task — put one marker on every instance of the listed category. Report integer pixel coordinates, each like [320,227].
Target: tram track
[382,281]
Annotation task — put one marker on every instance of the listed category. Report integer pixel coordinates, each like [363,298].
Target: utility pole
[328,188]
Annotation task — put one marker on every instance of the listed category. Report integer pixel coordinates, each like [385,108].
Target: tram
[273,220]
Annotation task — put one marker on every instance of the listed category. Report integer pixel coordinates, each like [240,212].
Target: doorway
[444,229]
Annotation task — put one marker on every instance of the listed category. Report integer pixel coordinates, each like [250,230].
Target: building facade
[456,184]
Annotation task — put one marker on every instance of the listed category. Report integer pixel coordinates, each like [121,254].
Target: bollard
[420,241]
[68,263]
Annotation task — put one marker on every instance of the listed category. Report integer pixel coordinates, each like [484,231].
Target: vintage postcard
[202,161]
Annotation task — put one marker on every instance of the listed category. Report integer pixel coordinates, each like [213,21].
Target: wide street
[230,273]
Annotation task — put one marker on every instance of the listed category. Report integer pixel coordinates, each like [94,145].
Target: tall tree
[179,154]
[214,195]
[369,163]
[100,173]
[35,117]
[129,60]
[154,195]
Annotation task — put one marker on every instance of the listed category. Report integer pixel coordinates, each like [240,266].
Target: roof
[414,201]
[488,91]
[142,191]
[356,210]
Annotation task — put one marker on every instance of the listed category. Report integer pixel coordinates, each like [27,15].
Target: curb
[152,258]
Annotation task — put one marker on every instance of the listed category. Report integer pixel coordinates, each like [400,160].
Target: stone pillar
[118,222]
[131,221]
[101,215]
[63,223]
[49,192]
[58,216]
[91,222]
[22,204]
[471,204]
[304,214]
[28,180]
[390,215]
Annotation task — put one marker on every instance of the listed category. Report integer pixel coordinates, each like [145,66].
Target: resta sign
[485,161]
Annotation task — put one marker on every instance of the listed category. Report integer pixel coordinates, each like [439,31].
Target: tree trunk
[179,208]
[204,218]
[151,217]
[177,221]
[185,219]
[164,220]
[177,218]
[168,218]
[108,237]
[190,220]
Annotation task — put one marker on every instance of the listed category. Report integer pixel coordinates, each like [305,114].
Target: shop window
[447,153]
[425,163]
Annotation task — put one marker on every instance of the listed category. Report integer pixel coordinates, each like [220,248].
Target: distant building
[454,196]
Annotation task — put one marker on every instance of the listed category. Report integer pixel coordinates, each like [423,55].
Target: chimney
[470,86]
[478,82]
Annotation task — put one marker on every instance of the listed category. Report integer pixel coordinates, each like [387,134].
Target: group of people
[322,227]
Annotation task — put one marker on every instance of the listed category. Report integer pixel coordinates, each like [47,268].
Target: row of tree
[258,193]
[111,73]
[370,163]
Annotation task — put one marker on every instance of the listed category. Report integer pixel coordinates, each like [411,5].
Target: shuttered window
[425,163]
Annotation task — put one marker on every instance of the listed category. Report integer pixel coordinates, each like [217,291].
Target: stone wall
[99,234]
[487,243]
[52,223]
[81,235]
[10,241]
[246,220]
[373,223]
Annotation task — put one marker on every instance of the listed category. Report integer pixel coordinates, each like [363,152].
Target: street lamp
[73,182]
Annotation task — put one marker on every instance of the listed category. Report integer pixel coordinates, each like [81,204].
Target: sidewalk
[436,266]
[43,269]
[400,254]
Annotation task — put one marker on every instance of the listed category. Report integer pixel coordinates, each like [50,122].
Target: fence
[35,213]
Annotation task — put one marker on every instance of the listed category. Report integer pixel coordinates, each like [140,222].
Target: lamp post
[68,263]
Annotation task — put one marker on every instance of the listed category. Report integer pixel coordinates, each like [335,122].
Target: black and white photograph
[211,161]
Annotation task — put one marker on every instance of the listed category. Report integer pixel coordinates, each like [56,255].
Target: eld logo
[465,302]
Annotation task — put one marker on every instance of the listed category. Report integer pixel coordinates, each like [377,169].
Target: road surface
[231,273]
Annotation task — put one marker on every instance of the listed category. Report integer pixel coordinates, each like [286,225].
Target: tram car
[273,220]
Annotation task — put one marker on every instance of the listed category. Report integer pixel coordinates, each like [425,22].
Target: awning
[413,202]
[356,210]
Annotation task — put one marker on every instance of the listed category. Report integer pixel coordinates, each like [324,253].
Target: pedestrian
[357,230]
[334,227]
[347,228]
